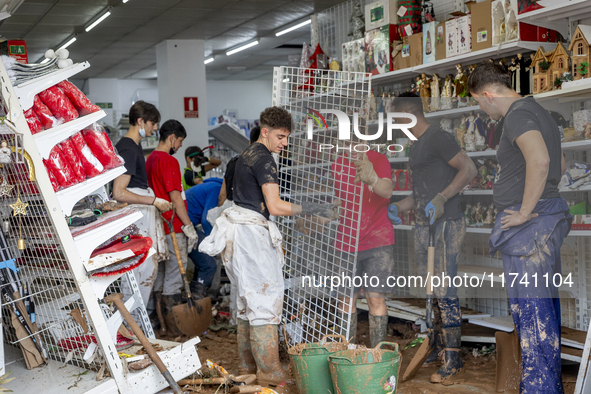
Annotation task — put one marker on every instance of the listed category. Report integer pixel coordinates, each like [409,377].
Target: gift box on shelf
[451,38]
[464,36]
[430,42]
[409,17]
[411,54]
[378,53]
[381,13]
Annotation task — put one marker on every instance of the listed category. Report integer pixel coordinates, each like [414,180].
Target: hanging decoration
[19,208]
[5,188]
[357,23]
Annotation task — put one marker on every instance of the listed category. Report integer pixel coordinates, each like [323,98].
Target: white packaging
[451,39]
[464,29]
[380,13]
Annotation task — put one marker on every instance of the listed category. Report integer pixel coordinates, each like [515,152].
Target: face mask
[143,132]
[196,168]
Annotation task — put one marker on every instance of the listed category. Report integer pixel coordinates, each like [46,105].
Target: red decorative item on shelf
[33,121]
[58,164]
[44,114]
[92,165]
[71,154]
[100,145]
[411,18]
[54,183]
[83,105]
[59,104]
[318,52]
[527,6]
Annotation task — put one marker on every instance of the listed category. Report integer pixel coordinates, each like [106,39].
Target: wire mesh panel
[318,249]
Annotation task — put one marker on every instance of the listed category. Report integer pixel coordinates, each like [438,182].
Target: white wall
[121,92]
[249,98]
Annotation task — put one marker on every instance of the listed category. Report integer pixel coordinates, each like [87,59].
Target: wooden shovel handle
[177,252]
[430,269]
[116,299]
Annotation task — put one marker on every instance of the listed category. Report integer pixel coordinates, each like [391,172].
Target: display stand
[59,276]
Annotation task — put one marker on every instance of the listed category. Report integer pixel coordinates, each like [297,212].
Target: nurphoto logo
[344,130]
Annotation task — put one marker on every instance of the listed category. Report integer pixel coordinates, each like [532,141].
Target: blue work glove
[436,204]
[393,214]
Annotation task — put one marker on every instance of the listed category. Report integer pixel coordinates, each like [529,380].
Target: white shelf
[482,153]
[87,242]
[402,192]
[477,192]
[454,111]
[26,92]
[47,139]
[405,227]
[554,16]
[398,160]
[567,94]
[577,145]
[70,196]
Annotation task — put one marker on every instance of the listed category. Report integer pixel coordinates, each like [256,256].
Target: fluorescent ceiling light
[208,60]
[68,43]
[99,20]
[45,61]
[125,1]
[304,23]
[251,44]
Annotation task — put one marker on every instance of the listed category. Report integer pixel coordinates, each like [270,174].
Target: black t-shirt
[254,168]
[525,115]
[135,162]
[229,177]
[431,173]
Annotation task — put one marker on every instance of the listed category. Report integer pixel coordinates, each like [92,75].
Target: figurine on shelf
[514,73]
[461,132]
[425,91]
[372,107]
[460,82]
[447,92]
[489,221]
[383,102]
[478,218]
[503,64]
[470,141]
[480,133]
[389,103]
[491,135]
[530,68]
[586,132]
[446,124]
[522,67]
[468,214]
[435,92]
[5,153]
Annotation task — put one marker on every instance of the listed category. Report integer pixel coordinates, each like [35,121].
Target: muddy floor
[221,347]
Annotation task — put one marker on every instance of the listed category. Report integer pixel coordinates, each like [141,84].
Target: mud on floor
[221,348]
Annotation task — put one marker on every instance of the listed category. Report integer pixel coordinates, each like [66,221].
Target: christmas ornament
[357,22]
[5,188]
[19,208]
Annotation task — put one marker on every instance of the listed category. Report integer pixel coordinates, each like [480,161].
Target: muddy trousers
[169,280]
[536,314]
[205,266]
[449,236]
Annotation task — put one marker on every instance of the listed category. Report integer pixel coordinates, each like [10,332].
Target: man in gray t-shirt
[531,224]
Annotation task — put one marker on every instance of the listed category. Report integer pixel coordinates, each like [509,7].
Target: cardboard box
[440,42]
[380,13]
[464,34]
[429,42]
[378,52]
[412,52]
[451,38]
[16,49]
[481,26]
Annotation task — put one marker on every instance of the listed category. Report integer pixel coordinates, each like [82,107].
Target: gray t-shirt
[525,115]
[431,172]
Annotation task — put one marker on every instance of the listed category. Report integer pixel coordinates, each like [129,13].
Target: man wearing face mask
[164,176]
[132,188]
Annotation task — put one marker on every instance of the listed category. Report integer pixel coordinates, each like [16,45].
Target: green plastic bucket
[367,371]
[310,365]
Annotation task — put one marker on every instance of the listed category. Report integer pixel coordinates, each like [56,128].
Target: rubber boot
[170,301]
[163,330]
[247,364]
[434,358]
[378,325]
[198,291]
[265,349]
[452,362]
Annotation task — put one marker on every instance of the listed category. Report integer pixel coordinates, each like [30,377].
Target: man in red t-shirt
[164,177]
[375,240]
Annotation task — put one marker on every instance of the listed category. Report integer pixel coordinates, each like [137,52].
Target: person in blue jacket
[200,199]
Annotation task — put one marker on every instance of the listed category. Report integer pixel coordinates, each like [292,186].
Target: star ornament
[5,189]
[19,208]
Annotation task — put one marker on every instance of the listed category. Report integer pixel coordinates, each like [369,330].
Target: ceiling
[123,45]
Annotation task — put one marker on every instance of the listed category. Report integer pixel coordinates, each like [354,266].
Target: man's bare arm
[466,172]
[222,197]
[121,194]
[214,162]
[384,188]
[537,165]
[278,207]
[179,205]
[406,204]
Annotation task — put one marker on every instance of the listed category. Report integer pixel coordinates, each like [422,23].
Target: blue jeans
[205,265]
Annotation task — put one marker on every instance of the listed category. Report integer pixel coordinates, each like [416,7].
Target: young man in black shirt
[252,251]
[228,184]
[439,170]
[532,222]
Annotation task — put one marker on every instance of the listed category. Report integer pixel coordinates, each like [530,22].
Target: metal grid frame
[306,176]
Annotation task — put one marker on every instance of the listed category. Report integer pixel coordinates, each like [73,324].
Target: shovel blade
[419,359]
[193,321]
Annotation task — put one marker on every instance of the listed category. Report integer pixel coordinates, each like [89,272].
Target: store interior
[71,71]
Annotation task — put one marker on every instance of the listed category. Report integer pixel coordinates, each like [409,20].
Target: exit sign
[105,105]
[16,49]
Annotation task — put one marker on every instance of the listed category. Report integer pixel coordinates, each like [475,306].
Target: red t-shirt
[164,176]
[375,228]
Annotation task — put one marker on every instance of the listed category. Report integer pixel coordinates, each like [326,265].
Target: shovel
[192,318]
[429,343]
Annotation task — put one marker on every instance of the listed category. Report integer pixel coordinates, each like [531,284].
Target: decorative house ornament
[579,48]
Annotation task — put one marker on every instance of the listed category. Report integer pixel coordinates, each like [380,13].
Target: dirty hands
[329,211]
[436,204]
[192,238]
[365,171]
[162,205]
[393,214]
[515,218]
